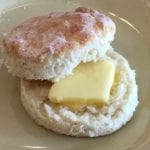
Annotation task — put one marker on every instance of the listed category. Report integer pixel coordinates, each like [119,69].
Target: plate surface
[132,18]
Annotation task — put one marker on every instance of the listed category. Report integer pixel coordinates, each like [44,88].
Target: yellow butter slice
[89,84]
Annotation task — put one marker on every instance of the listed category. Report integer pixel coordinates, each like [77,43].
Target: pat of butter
[90,84]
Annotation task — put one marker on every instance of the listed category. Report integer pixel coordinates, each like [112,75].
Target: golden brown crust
[40,36]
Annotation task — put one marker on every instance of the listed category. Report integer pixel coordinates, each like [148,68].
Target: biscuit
[50,47]
[90,121]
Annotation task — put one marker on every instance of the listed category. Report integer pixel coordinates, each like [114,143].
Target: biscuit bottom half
[90,121]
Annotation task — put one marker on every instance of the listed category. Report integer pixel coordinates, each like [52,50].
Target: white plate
[132,18]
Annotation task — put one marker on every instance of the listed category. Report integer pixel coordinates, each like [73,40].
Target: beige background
[132,18]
